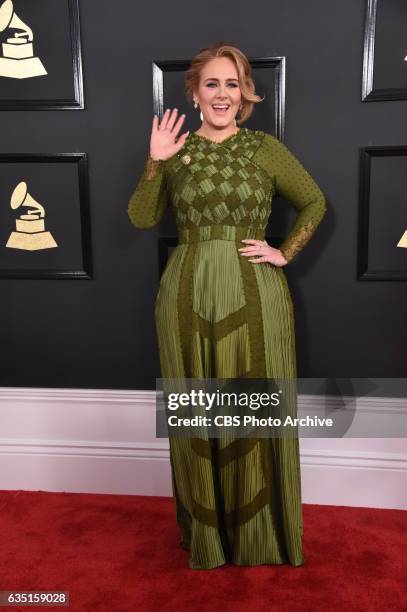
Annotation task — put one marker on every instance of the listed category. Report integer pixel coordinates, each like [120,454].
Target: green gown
[220,316]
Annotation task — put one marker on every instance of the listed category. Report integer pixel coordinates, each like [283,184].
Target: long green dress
[220,316]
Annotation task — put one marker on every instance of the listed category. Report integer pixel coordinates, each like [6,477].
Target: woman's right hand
[162,142]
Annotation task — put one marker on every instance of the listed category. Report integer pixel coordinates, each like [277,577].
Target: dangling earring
[200,114]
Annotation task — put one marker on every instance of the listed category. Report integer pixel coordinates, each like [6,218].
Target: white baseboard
[103,441]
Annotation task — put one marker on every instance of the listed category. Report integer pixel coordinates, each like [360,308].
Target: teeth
[220,106]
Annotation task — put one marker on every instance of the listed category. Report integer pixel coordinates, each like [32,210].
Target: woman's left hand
[265,252]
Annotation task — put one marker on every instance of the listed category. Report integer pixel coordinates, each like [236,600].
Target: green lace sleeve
[149,200]
[298,187]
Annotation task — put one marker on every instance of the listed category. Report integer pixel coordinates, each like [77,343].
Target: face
[219,87]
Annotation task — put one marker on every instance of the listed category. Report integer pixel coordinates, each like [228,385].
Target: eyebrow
[215,79]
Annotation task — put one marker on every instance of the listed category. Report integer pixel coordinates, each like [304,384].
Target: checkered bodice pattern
[219,183]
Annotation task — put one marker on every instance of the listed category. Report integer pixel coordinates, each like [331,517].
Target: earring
[196,106]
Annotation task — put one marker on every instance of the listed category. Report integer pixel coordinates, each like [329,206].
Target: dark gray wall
[101,333]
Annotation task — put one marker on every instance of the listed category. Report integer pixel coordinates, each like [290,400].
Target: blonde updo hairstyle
[244,71]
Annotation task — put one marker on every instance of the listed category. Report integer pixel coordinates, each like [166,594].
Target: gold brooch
[186,159]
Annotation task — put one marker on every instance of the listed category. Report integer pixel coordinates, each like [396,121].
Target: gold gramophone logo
[17,60]
[30,234]
[403,240]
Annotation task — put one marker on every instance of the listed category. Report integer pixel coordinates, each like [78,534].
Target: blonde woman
[224,309]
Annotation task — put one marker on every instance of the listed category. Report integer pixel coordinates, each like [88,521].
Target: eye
[230,84]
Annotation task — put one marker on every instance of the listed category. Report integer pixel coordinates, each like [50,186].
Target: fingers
[172,117]
[254,241]
[181,140]
[179,124]
[259,260]
[251,248]
[183,137]
[250,252]
[169,118]
[170,123]
[251,245]
[164,120]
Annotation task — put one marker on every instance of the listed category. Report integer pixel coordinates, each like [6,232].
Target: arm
[149,200]
[298,187]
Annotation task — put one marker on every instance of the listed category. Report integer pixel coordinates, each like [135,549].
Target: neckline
[209,140]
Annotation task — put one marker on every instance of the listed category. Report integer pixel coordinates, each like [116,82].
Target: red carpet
[121,553]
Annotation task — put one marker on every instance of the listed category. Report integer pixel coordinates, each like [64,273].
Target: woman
[224,309]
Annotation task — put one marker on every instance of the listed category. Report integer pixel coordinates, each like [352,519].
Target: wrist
[284,260]
[155,158]
[153,168]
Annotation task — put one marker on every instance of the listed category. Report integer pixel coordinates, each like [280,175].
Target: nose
[222,92]
[222,95]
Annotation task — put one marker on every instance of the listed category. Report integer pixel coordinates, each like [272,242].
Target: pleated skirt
[220,316]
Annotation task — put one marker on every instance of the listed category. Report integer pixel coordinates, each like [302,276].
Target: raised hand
[163,143]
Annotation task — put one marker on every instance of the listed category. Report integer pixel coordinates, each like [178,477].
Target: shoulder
[265,144]
[264,139]
[255,141]
[254,134]
[257,133]
[273,146]
[270,139]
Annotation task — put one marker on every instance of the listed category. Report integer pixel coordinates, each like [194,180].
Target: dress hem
[226,562]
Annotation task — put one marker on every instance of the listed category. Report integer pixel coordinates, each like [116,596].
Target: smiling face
[219,95]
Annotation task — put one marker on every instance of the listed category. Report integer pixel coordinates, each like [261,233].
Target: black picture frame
[367,229]
[83,272]
[277,64]
[77,102]
[370,92]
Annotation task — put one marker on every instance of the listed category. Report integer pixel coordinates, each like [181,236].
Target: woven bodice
[225,190]
[219,183]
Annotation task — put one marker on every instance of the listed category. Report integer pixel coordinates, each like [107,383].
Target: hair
[244,71]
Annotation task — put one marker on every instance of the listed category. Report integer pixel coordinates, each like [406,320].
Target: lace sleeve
[298,187]
[149,200]
[297,239]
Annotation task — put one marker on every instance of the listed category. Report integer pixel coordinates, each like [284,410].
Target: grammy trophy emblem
[403,240]
[17,60]
[30,234]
